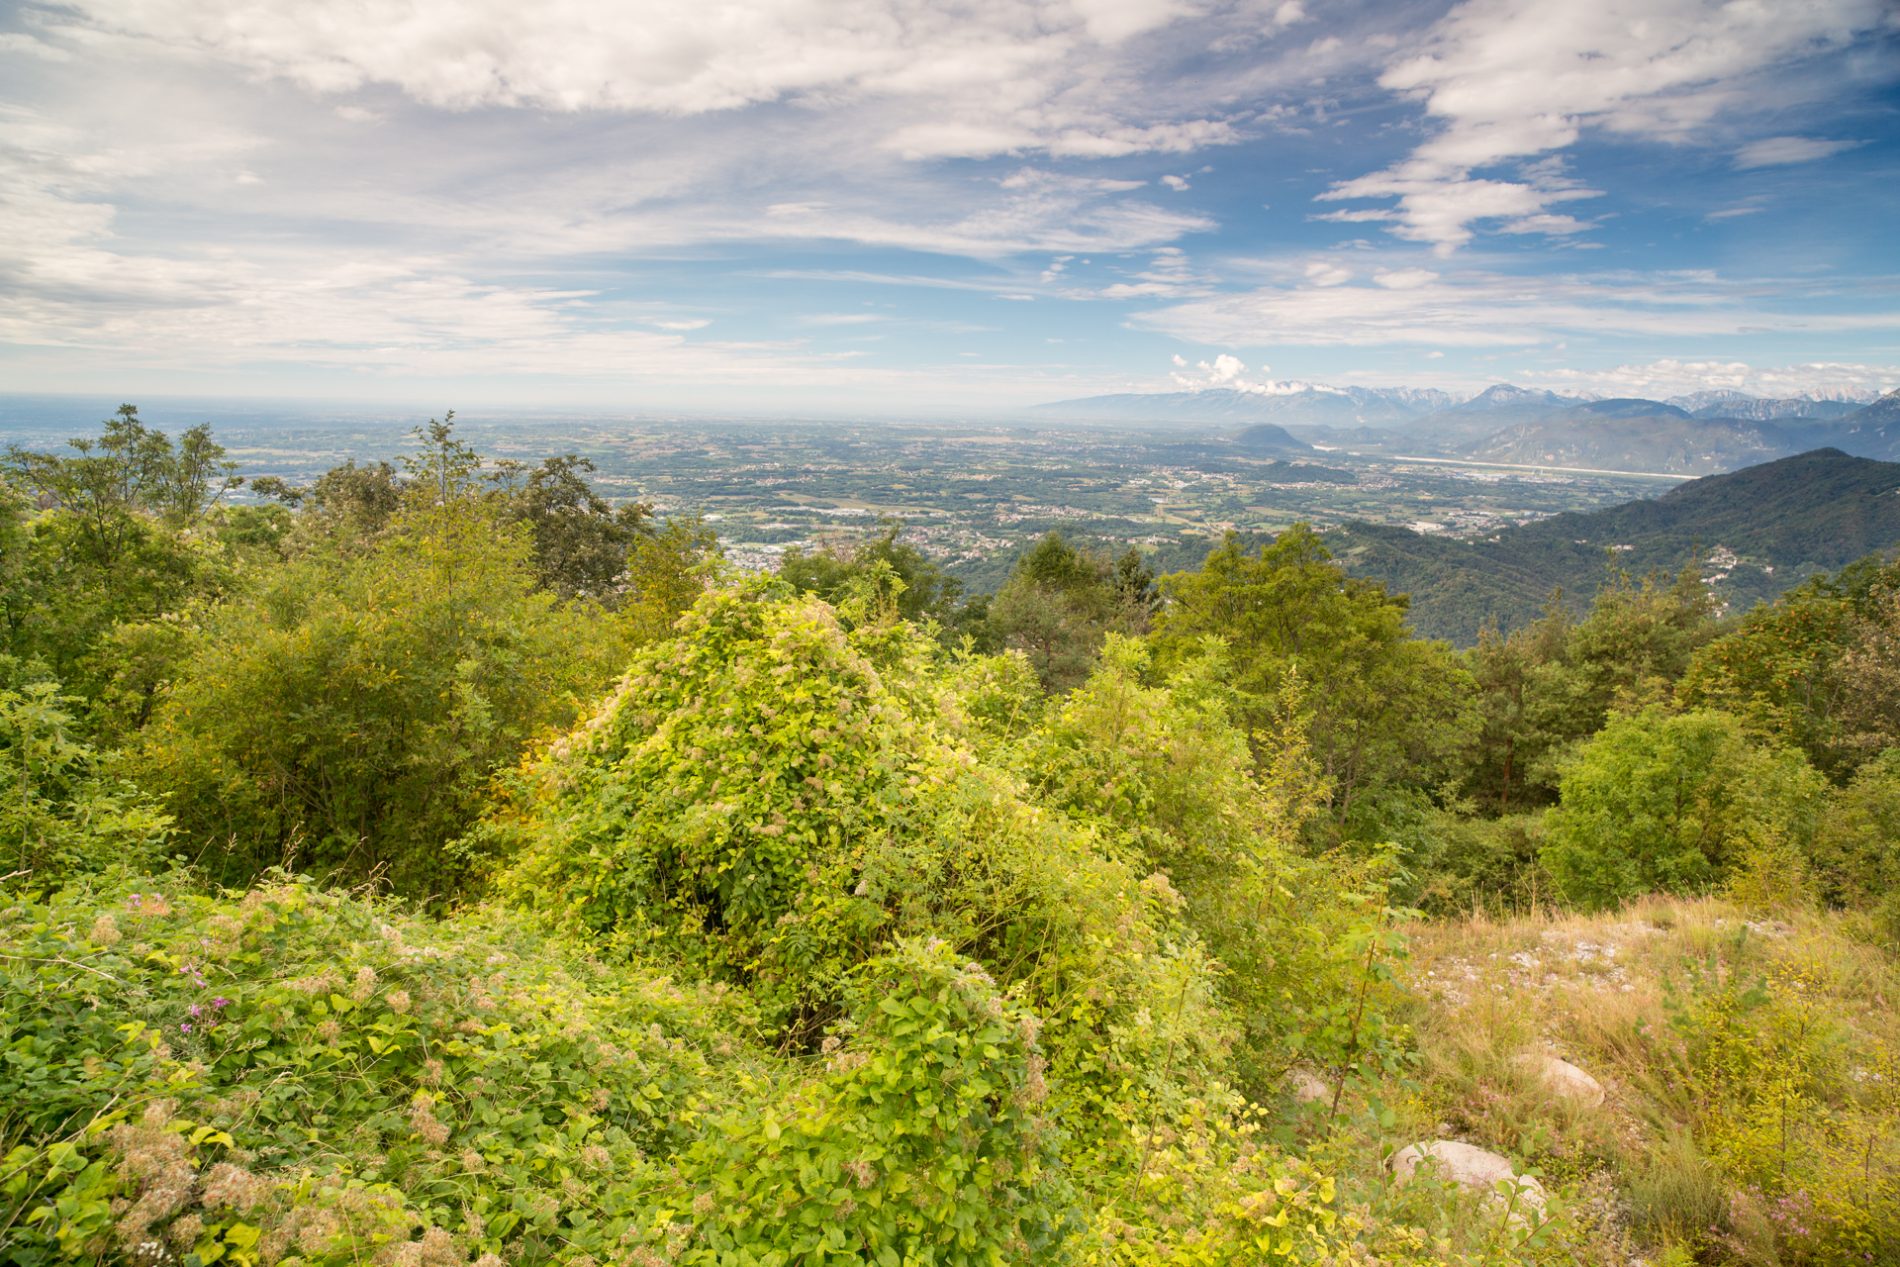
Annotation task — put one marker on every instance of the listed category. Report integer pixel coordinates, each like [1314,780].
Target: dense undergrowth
[445,867]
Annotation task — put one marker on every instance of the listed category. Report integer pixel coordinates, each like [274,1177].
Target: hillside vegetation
[439,865]
[1754,533]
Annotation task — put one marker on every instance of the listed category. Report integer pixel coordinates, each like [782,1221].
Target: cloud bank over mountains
[1018,196]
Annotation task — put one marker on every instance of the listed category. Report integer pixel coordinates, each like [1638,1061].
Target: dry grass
[1596,991]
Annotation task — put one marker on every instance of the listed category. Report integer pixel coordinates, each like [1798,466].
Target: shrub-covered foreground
[290,1075]
[786,964]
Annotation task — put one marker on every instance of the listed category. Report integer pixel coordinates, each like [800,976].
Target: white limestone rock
[1562,1079]
[1470,1166]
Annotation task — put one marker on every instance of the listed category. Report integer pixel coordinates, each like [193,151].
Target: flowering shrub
[295,1074]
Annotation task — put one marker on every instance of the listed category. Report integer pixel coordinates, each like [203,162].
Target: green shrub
[1166,774]
[61,814]
[1670,802]
[925,1138]
[1857,843]
[347,717]
[1795,1111]
[772,800]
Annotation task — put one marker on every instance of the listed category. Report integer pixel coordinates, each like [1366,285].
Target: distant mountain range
[1761,409]
[1699,434]
[1306,404]
[1755,533]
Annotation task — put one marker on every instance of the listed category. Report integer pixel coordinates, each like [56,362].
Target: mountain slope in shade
[1880,413]
[1755,533]
[1872,431]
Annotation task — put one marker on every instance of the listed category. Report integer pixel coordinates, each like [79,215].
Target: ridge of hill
[1265,437]
[1757,531]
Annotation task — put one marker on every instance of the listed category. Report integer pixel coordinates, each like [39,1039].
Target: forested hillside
[438,864]
[1753,534]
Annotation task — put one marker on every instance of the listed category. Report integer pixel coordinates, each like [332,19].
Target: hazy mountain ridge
[1702,433]
[1765,409]
[1309,404]
[1630,437]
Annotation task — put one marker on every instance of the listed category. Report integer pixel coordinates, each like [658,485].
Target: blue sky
[920,207]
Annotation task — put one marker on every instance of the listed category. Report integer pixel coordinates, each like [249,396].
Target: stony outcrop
[1469,1165]
[1562,1079]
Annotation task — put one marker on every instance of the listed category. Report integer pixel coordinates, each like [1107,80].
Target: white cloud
[1003,76]
[1324,273]
[1228,372]
[1674,377]
[680,324]
[1776,151]
[1508,80]
[1405,278]
[1302,304]
[1369,215]
[1179,184]
[1169,275]
[20,42]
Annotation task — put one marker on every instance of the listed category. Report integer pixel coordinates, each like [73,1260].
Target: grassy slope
[1749,1064]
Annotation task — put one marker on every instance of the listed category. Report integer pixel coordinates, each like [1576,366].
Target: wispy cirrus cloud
[1012,76]
[1504,82]
[1327,302]
[1781,151]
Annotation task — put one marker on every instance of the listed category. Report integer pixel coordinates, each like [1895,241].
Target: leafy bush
[772,800]
[1169,777]
[61,814]
[1384,707]
[1061,600]
[1857,843]
[1819,668]
[1669,802]
[349,714]
[132,534]
[1803,1142]
[925,1138]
